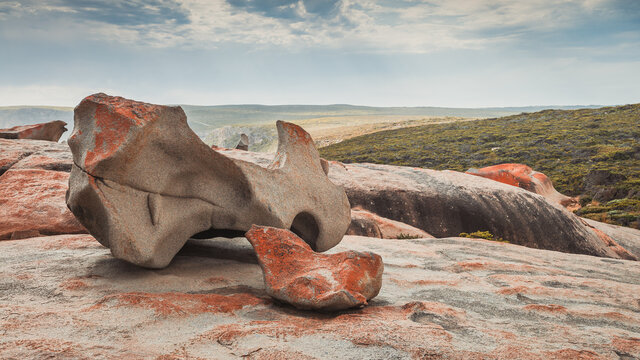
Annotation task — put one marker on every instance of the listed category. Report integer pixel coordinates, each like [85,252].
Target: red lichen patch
[408,283]
[72,242]
[571,354]
[183,304]
[294,273]
[511,174]
[551,308]
[24,277]
[498,266]
[73,284]
[612,244]
[114,117]
[33,200]
[630,346]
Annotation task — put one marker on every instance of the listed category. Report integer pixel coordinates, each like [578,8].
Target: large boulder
[143,183]
[299,276]
[66,297]
[525,177]
[50,131]
[447,203]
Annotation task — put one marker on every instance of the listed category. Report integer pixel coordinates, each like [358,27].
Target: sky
[453,53]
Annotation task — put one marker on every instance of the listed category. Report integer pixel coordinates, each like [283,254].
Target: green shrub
[482,235]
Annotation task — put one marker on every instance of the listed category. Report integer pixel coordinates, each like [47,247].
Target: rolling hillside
[594,153]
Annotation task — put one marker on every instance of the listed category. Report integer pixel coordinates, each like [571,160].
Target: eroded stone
[50,131]
[297,275]
[143,183]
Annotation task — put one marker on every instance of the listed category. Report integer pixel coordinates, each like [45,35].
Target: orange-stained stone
[294,273]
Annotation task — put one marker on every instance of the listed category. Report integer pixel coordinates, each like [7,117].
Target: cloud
[403,26]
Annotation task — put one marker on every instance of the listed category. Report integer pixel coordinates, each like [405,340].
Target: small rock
[295,274]
[51,131]
[365,223]
[243,144]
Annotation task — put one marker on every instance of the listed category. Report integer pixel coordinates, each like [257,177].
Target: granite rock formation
[34,177]
[525,177]
[243,144]
[50,131]
[143,183]
[66,297]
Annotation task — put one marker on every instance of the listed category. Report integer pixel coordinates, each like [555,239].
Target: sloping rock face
[528,179]
[50,131]
[143,183]
[447,203]
[299,276]
[67,297]
[33,180]
[365,223]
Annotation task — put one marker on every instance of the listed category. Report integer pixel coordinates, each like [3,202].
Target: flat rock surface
[66,297]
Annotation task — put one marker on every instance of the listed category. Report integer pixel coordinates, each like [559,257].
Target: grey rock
[143,183]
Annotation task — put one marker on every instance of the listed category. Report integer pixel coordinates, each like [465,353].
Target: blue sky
[459,53]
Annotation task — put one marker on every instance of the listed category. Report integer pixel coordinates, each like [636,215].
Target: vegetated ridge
[593,153]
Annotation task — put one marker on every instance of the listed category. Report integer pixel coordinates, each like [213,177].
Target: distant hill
[203,119]
[594,153]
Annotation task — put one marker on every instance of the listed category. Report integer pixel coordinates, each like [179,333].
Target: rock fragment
[143,183]
[297,275]
[50,131]
[243,144]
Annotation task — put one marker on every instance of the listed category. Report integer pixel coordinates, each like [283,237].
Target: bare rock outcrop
[34,177]
[66,297]
[243,144]
[143,183]
[299,276]
[525,177]
[50,131]
[447,203]
[366,223]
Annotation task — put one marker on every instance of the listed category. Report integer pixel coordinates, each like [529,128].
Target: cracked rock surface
[299,276]
[143,183]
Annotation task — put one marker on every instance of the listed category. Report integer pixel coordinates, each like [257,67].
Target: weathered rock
[528,179]
[32,204]
[365,223]
[50,131]
[143,183]
[34,154]
[447,203]
[67,297]
[243,144]
[299,276]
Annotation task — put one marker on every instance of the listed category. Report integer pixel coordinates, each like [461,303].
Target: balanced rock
[525,177]
[366,223]
[297,275]
[50,131]
[143,183]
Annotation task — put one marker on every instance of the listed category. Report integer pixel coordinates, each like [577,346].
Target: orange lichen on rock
[50,131]
[526,178]
[32,203]
[294,273]
[182,303]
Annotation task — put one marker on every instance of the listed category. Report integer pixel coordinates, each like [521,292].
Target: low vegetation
[482,235]
[591,153]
